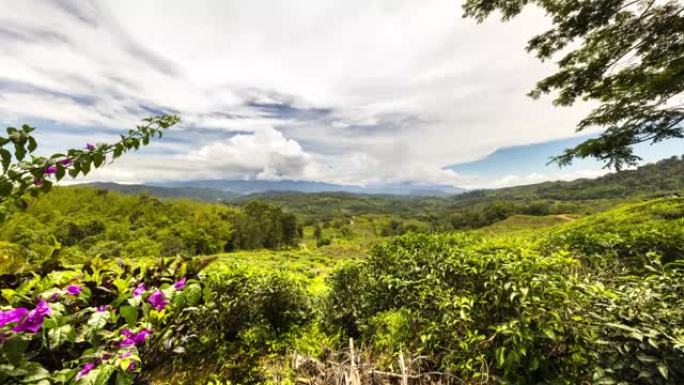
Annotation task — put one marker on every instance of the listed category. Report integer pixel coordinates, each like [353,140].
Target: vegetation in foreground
[594,299]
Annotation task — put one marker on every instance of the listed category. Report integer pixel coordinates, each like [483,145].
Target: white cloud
[355,92]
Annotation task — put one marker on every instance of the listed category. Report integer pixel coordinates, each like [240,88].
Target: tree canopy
[626,54]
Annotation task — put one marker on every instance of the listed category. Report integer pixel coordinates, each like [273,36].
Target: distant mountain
[261,186]
[232,190]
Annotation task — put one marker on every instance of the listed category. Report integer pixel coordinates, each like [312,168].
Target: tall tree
[626,54]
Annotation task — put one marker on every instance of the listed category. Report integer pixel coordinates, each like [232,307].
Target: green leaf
[60,335]
[98,158]
[14,349]
[85,166]
[663,370]
[5,188]
[193,293]
[105,372]
[123,378]
[130,314]
[6,158]
[98,319]
[32,144]
[19,151]
[61,171]
[36,373]
[500,356]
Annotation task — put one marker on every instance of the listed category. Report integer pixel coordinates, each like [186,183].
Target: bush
[96,325]
[244,317]
[513,311]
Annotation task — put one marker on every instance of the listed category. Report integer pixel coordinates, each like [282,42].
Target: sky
[348,92]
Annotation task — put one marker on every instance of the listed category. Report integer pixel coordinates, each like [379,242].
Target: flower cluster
[119,348]
[130,338]
[25,320]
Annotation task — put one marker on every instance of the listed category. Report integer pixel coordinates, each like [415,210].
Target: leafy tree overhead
[626,54]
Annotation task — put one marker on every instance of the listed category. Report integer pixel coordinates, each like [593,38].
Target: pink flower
[90,147]
[73,290]
[66,162]
[132,338]
[38,182]
[125,354]
[131,366]
[11,316]
[141,336]
[157,300]
[101,308]
[86,369]
[50,169]
[139,290]
[34,319]
[180,284]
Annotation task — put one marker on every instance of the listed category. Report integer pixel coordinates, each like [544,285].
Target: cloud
[357,92]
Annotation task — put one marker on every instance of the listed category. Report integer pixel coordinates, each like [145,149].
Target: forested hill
[481,207]
[653,179]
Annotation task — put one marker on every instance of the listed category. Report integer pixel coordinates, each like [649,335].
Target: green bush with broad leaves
[516,311]
[247,315]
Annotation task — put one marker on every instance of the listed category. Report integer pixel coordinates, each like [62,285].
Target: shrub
[512,312]
[244,317]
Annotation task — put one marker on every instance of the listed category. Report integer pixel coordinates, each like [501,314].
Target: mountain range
[230,190]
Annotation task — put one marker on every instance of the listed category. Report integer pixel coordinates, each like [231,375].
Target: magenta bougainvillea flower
[132,338]
[12,315]
[34,319]
[50,169]
[141,336]
[137,292]
[90,146]
[66,162]
[131,366]
[86,369]
[157,300]
[101,308]
[73,290]
[38,182]
[180,284]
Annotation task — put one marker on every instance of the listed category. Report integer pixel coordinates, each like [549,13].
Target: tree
[630,58]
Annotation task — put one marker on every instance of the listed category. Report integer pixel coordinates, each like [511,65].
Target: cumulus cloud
[353,92]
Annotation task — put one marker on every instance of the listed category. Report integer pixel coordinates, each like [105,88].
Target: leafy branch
[35,175]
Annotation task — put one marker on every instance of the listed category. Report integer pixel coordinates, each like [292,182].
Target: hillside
[663,178]
[651,180]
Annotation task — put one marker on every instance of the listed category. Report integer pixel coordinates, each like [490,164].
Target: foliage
[89,222]
[89,326]
[625,236]
[626,54]
[36,175]
[507,310]
[245,316]
[261,225]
